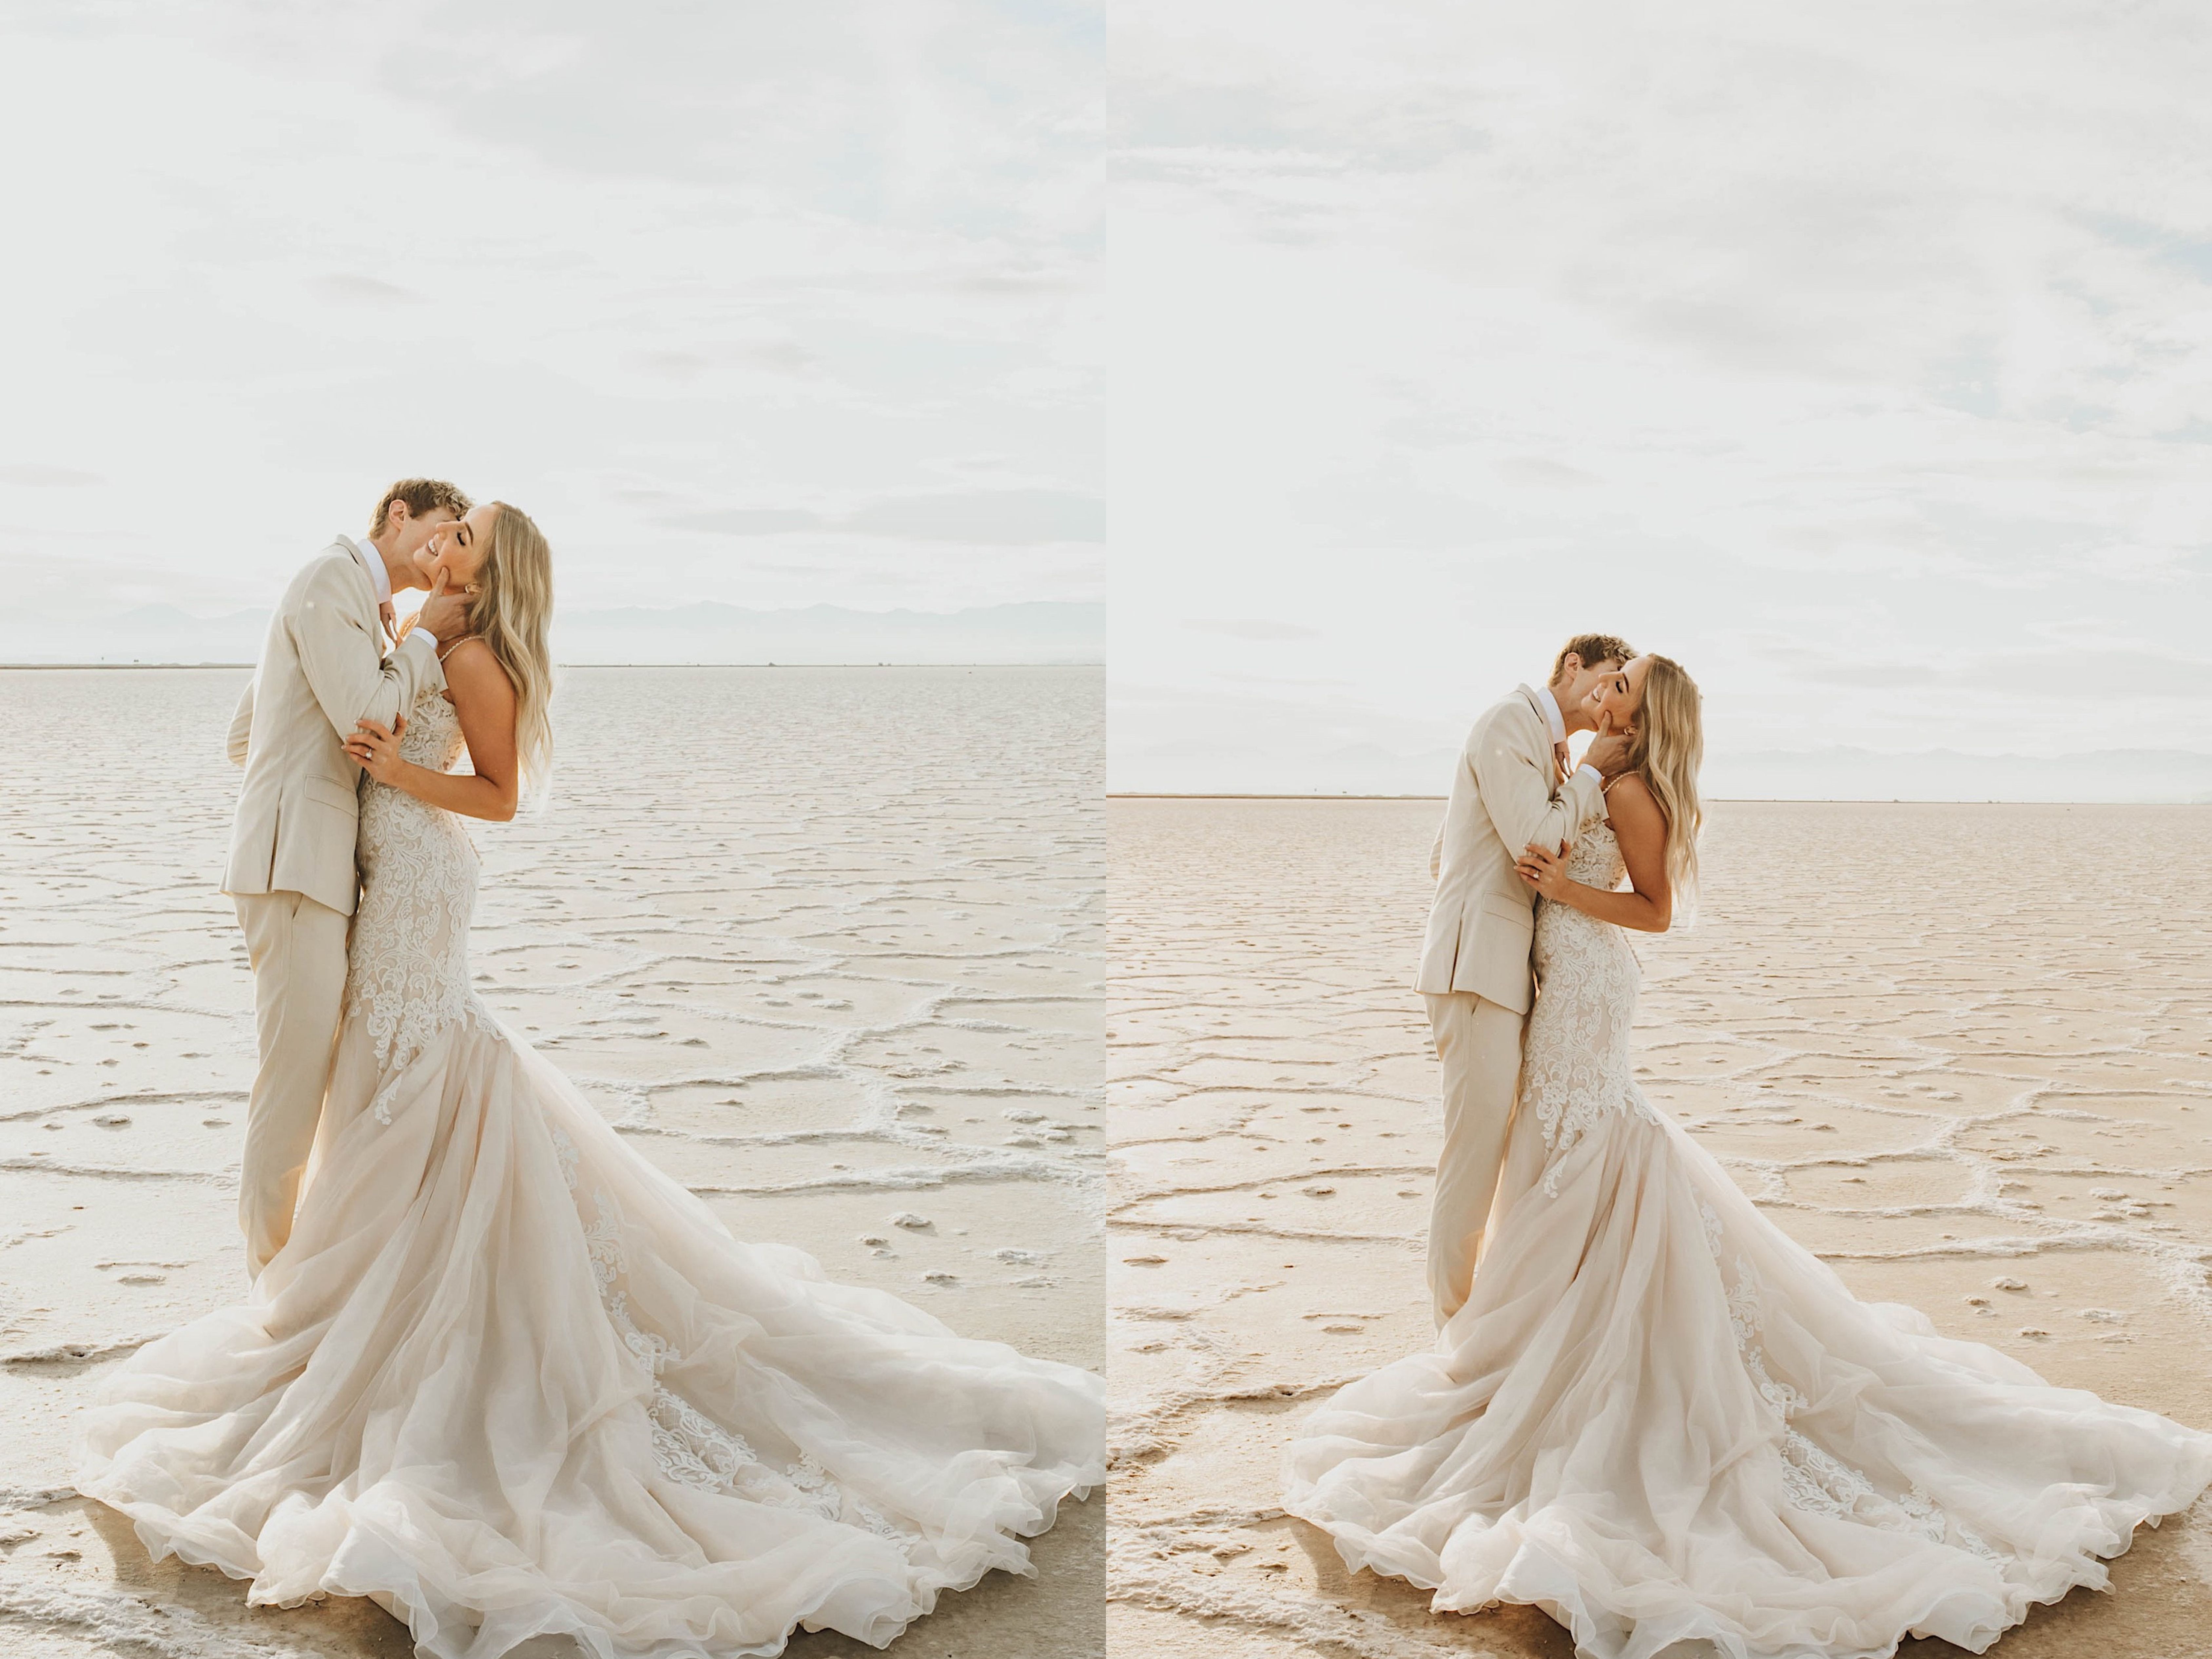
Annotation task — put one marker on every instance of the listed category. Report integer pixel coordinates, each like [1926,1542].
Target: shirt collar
[379,577]
[1549,706]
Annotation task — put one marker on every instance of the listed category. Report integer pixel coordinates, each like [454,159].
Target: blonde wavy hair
[1667,748]
[511,615]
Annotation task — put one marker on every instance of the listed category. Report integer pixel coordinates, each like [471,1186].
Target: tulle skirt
[508,1379]
[1660,1420]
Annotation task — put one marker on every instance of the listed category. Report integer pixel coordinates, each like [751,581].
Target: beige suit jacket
[1504,794]
[322,668]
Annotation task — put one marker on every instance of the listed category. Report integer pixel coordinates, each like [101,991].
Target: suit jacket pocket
[1508,910]
[337,795]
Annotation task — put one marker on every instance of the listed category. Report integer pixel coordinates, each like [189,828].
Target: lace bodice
[1595,860]
[1576,1064]
[407,971]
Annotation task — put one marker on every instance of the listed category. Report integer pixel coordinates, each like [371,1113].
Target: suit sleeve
[1518,791]
[341,655]
[241,725]
[1437,852]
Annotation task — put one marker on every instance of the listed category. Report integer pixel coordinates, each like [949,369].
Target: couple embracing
[1647,1410]
[495,1371]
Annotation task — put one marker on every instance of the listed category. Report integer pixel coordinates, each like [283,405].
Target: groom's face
[1586,681]
[411,534]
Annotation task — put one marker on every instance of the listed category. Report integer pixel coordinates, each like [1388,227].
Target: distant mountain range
[1043,631]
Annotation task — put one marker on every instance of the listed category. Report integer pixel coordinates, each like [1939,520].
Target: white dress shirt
[382,578]
[1556,724]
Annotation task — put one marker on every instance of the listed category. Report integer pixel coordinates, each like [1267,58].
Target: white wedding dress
[1661,1421]
[507,1378]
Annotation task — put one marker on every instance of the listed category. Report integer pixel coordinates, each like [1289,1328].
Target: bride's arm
[1641,829]
[483,697]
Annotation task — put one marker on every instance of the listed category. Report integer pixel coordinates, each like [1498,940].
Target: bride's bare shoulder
[473,675]
[1632,807]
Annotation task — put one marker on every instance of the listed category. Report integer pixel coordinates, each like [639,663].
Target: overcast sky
[1858,357]
[1861,358]
[769,305]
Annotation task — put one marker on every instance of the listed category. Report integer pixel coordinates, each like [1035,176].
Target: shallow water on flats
[1963,1052]
[825,944]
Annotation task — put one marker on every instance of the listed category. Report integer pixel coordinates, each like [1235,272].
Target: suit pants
[1478,1044]
[298,951]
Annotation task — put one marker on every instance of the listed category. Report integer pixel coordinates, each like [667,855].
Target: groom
[1476,975]
[291,873]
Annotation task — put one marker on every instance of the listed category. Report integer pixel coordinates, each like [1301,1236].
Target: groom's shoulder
[1514,707]
[334,571]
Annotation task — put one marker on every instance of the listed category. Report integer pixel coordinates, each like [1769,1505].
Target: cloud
[749,521]
[1878,675]
[1016,518]
[2087,670]
[1537,470]
[1013,516]
[30,475]
[615,265]
[1252,627]
[353,287]
[1840,359]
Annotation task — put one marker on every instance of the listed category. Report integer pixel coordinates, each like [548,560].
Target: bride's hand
[1545,871]
[376,750]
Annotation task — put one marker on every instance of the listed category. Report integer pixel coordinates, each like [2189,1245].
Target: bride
[1660,1419]
[508,1379]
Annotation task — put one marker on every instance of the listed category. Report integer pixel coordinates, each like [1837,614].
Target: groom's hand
[1608,751]
[446,614]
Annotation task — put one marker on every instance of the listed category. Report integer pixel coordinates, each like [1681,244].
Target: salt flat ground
[1965,1053]
[824,943]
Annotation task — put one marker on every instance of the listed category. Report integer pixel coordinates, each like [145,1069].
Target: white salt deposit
[802,934]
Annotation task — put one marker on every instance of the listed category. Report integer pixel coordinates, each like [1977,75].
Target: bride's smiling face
[1620,694]
[456,550]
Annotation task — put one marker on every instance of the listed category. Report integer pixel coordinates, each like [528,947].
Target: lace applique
[1575,1064]
[688,1445]
[691,1447]
[407,972]
[1813,1478]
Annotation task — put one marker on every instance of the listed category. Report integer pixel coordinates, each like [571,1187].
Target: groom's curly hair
[1591,649]
[422,496]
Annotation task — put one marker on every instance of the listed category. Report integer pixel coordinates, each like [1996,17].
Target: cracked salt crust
[2003,1078]
[790,931]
